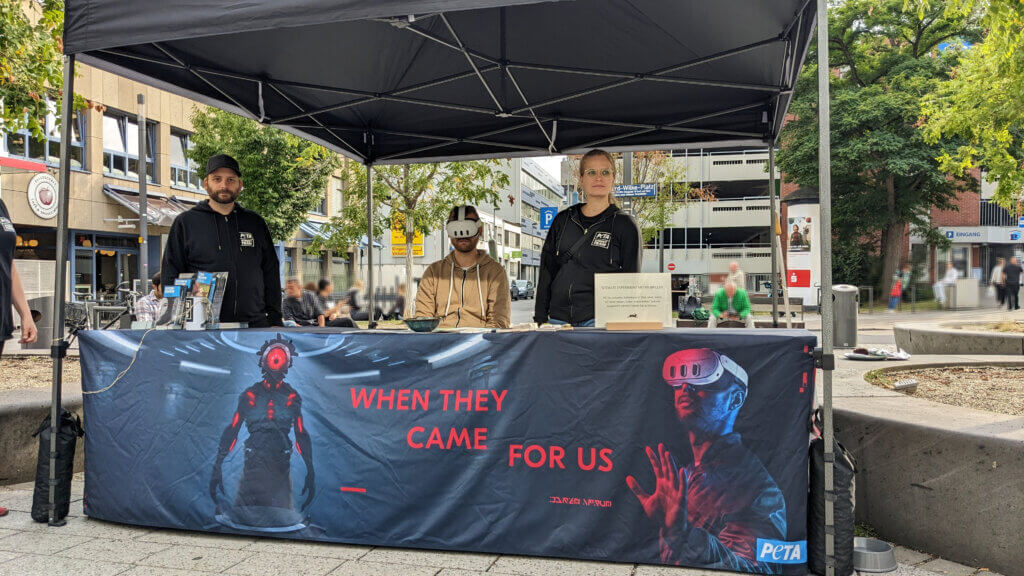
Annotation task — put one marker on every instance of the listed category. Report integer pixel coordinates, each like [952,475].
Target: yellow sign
[398,239]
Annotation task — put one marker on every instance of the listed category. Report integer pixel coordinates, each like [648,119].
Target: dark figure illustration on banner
[722,509]
[270,410]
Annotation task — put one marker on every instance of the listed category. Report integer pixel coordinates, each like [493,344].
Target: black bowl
[422,324]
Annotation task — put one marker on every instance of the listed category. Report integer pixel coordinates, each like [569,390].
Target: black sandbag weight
[843,476]
[67,436]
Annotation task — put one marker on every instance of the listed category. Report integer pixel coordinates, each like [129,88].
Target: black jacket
[202,240]
[565,289]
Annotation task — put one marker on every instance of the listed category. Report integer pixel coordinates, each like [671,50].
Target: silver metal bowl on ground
[872,555]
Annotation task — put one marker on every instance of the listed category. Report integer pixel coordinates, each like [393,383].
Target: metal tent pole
[773,230]
[827,328]
[58,345]
[143,208]
[370,285]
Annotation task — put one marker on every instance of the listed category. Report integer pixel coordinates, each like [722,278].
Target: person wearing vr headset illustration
[270,409]
[711,512]
[466,288]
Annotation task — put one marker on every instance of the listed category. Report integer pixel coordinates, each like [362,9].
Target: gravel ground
[19,372]
[1006,326]
[990,388]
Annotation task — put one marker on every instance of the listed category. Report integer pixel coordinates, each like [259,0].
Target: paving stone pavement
[87,547]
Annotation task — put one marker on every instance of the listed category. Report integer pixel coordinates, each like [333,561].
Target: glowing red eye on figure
[276,359]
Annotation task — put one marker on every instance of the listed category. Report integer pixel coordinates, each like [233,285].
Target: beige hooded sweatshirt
[477,296]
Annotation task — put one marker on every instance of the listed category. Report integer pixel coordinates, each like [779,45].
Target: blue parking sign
[547,216]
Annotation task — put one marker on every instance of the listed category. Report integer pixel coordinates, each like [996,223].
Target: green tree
[980,109]
[284,176]
[884,173]
[31,71]
[415,197]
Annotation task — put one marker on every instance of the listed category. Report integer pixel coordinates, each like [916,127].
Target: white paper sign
[632,298]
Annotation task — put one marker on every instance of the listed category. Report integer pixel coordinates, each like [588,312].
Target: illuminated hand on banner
[667,505]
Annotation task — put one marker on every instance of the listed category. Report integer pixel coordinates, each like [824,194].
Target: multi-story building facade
[979,231]
[538,190]
[703,237]
[103,212]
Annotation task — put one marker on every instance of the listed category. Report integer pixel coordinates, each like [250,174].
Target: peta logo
[781,552]
[246,239]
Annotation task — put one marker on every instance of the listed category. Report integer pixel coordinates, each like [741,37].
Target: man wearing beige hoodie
[466,288]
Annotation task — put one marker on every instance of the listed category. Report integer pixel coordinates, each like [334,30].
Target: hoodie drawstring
[480,292]
[451,285]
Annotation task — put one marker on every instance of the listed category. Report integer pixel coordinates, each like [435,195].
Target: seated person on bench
[731,303]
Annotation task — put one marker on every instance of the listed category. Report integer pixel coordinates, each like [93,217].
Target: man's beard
[214,196]
[470,247]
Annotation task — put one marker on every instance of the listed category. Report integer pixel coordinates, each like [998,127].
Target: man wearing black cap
[714,511]
[218,235]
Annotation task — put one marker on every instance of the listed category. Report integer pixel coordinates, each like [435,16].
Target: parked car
[526,289]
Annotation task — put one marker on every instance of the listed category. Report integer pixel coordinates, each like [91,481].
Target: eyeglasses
[592,173]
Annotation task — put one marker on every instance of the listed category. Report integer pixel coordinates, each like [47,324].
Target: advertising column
[802,233]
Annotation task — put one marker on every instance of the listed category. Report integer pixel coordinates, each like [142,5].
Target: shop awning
[160,210]
[311,228]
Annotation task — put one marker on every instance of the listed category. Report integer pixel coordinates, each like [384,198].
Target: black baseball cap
[222,161]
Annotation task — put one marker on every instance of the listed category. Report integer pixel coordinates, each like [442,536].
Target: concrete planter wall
[938,478]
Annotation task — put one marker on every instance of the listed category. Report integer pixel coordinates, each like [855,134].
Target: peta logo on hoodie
[602,239]
[246,239]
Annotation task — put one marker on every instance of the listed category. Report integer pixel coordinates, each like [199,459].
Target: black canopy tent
[403,81]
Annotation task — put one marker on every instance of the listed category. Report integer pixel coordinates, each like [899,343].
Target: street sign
[671,266]
[636,190]
[1020,223]
[547,216]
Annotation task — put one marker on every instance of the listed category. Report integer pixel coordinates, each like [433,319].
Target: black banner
[675,447]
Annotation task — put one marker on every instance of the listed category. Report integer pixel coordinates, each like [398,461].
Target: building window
[47,149]
[183,169]
[121,147]
[337,195]
[542,190]
[322,208]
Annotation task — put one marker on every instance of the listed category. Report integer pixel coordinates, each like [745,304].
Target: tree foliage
[980,109]
[885,175]
[418,197]
[284,176]
[31,71]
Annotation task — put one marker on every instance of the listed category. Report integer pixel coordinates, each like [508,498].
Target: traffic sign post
[636,190]
[671,266]
[547,216]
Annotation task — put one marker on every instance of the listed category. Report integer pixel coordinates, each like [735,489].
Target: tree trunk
[409,231]
[892,240]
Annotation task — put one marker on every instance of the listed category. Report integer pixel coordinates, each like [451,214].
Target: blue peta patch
[781,552]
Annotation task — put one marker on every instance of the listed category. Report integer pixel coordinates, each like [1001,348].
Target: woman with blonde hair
[587,238]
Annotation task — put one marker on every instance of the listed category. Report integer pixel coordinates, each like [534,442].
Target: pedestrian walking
[995,279]
[1011,280]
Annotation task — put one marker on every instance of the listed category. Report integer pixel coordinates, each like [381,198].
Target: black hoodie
[565,289]
[202,240]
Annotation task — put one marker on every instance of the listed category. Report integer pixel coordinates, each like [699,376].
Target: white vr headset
[462,227]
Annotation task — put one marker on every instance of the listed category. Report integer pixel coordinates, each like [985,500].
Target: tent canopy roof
[396,81]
